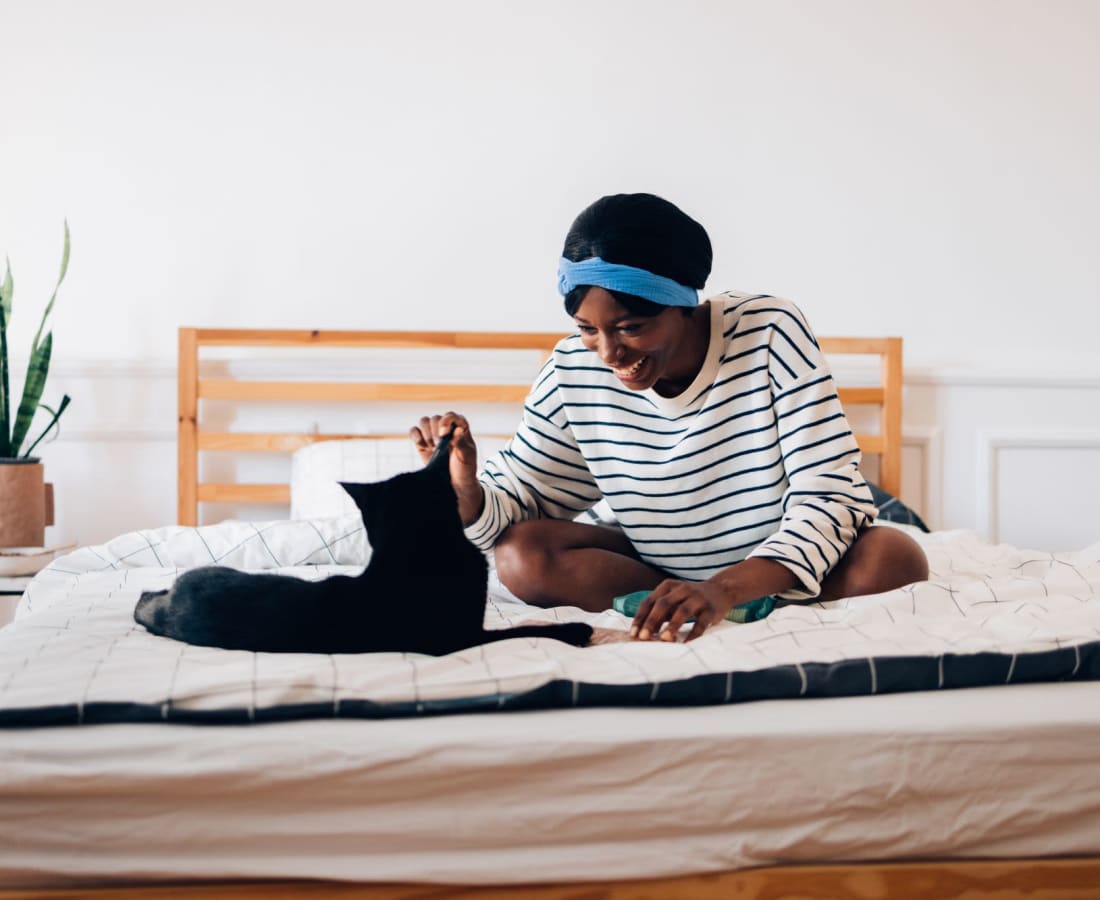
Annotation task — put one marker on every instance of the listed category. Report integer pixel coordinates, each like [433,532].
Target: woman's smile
[631,373]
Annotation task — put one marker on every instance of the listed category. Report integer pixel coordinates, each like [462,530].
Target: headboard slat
[244,493]
[470,340]
[853,396]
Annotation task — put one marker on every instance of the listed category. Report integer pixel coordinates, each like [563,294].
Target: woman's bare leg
[550,562]
[881,559]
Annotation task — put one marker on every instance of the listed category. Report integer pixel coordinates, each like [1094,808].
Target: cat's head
[419,502]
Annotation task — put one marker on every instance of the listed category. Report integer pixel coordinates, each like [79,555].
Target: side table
[11,589]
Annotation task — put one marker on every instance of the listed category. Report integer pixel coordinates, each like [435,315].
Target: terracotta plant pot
[26,503]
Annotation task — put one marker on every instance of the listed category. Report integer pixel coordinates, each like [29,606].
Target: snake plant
[14,431]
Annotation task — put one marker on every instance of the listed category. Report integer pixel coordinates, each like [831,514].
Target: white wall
[918,168]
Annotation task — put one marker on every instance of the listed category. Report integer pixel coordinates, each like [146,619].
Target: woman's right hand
[463,458]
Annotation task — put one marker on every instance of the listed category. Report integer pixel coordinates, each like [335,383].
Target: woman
[712,430]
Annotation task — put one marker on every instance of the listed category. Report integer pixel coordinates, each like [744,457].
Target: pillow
[317,469]
[891,509]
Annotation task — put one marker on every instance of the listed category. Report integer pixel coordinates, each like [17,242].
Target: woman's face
[661,352]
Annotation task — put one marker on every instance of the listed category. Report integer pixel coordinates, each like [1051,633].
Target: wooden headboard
[196,438]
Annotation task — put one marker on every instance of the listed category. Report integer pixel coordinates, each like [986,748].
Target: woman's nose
[609,349]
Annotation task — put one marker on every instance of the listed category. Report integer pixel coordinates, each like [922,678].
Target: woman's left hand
[673,602]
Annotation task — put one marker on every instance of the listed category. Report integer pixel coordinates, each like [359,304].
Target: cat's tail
[576,633]
[151,609]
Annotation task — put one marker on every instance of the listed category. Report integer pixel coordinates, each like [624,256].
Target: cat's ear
[360,493]
[440,461]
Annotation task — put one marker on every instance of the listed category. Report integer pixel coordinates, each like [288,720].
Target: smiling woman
[713,431]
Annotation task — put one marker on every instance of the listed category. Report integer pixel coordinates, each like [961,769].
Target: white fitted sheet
[558,795]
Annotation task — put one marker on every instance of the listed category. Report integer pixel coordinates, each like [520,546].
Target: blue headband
[614,277]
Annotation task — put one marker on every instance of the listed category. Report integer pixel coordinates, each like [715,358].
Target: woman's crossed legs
[549,562]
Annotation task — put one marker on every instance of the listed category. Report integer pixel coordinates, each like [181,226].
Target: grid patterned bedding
[74,655]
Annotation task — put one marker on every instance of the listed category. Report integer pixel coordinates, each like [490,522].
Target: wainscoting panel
[1039,487]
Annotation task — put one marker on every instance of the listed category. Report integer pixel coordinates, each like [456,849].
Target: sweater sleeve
[827,501]
[539,474]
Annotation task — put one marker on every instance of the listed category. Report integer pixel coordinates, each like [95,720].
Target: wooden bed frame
[195,438]
[1035,878]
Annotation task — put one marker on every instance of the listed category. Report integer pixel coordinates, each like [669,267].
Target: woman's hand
[673,602]
[463,458]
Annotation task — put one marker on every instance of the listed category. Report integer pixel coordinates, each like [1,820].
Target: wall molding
[100,369]
[989,442]
[122,434]
[998,377]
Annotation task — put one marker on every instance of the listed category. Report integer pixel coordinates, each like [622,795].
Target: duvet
[990,614]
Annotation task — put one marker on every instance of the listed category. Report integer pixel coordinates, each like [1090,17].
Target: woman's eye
[630,329]
[586,329]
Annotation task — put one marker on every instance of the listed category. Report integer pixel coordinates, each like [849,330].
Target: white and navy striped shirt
[755,458]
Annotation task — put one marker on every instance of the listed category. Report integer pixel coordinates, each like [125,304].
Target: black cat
[423,592]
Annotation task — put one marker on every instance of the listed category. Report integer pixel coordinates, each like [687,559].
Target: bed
[933,741]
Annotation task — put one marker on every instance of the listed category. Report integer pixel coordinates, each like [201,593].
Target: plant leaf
[5,406]
[7,288]
[37,370]
[53,297]
[65,401]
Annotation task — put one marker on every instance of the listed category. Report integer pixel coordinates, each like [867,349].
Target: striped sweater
[755,458]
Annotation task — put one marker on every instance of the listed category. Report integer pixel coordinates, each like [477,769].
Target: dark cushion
[891,509]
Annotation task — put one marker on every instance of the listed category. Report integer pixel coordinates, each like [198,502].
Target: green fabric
[628,604]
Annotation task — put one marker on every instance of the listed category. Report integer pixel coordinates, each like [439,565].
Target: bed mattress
[558,795]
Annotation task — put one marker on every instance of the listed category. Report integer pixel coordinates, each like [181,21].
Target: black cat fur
[423,591]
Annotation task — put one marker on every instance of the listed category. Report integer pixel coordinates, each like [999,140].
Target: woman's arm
[540,474]
[827,501]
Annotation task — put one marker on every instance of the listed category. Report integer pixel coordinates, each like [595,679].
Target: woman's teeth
[631,370]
